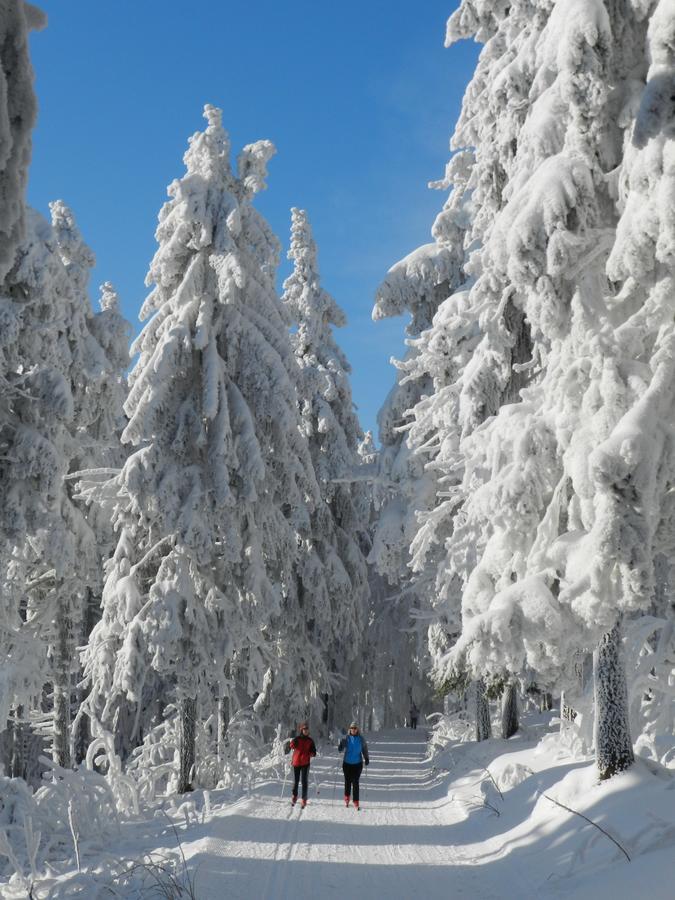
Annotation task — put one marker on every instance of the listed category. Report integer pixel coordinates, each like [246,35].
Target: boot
[346,799]
[294,799]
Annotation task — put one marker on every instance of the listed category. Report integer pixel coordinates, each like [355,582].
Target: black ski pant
[413,721]
[297,772]
[352,773]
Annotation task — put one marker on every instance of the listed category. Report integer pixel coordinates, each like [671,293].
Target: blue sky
[360,99]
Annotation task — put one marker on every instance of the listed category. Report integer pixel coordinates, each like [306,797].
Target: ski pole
[283,786]
[316,785]
[337,772]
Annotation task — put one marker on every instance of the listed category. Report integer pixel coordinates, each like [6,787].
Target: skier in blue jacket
[356,754]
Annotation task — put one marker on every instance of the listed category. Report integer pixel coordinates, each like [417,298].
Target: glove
[367,762]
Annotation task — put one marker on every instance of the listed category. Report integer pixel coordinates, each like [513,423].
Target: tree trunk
[567,713]
[546,701]
[510,711]
[188,721]
[61,686]
[613,745]
[521,352]
[82,735]
[17,762]
[483,726]
[223,741]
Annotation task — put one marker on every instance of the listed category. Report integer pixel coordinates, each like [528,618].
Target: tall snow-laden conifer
[43,551]
[86,369]
[406,485]
[113,333]
[54,562]
[567,487]
[417,284]
[101,456]
[333,574]
[17,118]
[219,481]
[439,357]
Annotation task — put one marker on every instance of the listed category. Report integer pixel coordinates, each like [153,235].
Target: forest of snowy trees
[527,448]
[200,545]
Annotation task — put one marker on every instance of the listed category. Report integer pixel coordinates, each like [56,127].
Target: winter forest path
[408,841]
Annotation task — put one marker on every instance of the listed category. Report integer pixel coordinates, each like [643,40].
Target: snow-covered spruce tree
[54,556]
[96,376]
[218,485]
[374,691]
[441,356]
[469,353]
[113,333]
[40,411]
[436,359]
[101,456]
[570,485]
[333,573]
[17,118]
[445,351]
[478,350]
[634,469]
[513,456]
[100,346]
[418,284]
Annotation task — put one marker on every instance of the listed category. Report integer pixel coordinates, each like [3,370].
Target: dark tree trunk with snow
[613,745]
[567,712]
[81,726]
[17,758]
[521,352]
[188,720]
[61,743]
[22,749]
[223,726]
[61,686]
[510,711]
[483,726]
[328,713]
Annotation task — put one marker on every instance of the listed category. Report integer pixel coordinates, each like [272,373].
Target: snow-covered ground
[475,821]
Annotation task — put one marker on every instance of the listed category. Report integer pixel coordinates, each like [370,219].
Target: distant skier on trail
[414,714]
[356,754]
[304,749]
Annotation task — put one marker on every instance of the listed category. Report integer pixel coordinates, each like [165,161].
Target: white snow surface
[471,820]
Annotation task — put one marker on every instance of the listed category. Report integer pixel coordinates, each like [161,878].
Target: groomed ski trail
[400,845]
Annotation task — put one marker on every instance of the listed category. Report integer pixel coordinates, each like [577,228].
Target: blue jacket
[355,749]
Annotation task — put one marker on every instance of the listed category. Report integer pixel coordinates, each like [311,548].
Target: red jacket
[303,750]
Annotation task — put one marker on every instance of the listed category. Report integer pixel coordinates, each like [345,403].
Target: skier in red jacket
[304,749]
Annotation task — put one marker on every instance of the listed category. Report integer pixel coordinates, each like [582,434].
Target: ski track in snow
[400,845]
